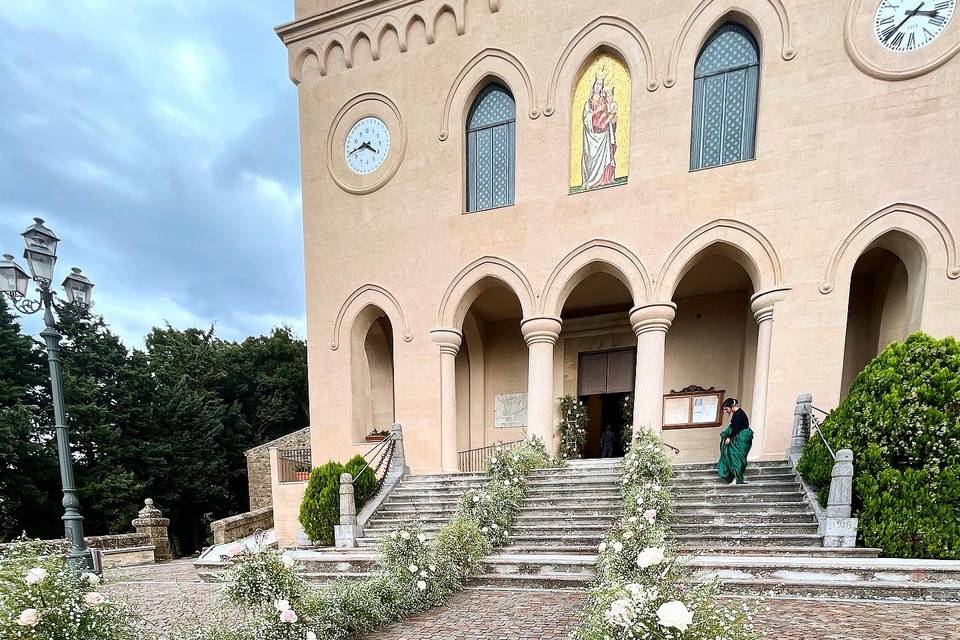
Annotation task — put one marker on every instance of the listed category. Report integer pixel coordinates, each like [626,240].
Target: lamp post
[41,256]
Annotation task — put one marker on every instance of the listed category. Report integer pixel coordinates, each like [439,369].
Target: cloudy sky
[159,139]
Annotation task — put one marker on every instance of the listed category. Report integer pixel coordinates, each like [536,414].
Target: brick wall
[258,466]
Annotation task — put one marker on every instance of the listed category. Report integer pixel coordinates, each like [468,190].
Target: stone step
[447,477]
[925,591]
[815,551]
[744,518]
[606,470]
[538,563]
[528,581]
[760,489]
[759,508]
[459,487]
[404,492]
[576,510]
[561,502]
[719,485]
[711,466]
[574,492]
[582,539]
[819,569]
[598,476]
[408,500]
[773,539]
[536,547]
[739,498]
[573,485]
[560,517]
[412,513]
[740,530]
[769,473]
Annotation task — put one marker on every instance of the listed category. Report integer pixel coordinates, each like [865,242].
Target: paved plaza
[171,594]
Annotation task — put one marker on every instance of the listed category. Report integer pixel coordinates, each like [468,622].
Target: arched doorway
[886,300]
[371,372]
[599,356]
[710,350]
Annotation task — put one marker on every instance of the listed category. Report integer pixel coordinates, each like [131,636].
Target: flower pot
[302,476]
[373,438]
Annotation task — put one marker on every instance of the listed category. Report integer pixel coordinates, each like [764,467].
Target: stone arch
[761,16]
[489,63]
[616,34]
[457,9]
[336,40]
[924,226]
[736,240]
[596,256]
[362,33]
[366,296]
[299,59]
[413,16]
[389,23]
[477,277]
[372,371]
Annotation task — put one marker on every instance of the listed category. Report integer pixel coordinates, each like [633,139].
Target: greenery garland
[642,589]
[573,427]
[414,573]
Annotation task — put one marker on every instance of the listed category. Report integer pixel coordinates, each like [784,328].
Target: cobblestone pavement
[170,594]
[551,615]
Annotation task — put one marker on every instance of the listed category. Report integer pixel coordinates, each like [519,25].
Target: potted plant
[377,435]
[301,476]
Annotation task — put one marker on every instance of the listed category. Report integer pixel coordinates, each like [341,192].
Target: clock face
[367,145]
[908,25]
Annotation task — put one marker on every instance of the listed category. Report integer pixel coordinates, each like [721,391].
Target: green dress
[733,456]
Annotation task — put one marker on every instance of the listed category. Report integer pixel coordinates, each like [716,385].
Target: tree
[29,480]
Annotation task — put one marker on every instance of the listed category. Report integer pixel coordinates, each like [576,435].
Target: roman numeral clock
[901,39]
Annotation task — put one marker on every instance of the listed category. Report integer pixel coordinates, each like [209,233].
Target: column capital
[656,316]
[449,340]
[762,302]
[540,329]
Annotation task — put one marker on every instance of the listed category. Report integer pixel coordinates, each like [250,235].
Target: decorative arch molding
[606,31]
[761,260]
[708,13]
[320,44]
[371,295]
[913,220]
[466,287]
[592,257]
[489,62]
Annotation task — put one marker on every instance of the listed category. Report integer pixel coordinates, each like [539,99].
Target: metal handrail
[371,454]
[474,460]
[817,428]
[670,446]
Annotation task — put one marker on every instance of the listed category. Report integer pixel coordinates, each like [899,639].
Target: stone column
[801,427]
[449,341]
[541,335]
[650,323]
[839,529]
[151,523]
[762,305]
[346,533]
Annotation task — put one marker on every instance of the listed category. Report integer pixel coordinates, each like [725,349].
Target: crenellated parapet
[329,32]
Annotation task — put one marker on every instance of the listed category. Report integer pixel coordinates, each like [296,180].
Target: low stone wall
[258,466]
[242,525]
[105,543]
[129,556]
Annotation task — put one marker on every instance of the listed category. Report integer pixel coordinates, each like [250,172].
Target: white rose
[421,537]
[421,585]
[620,612]
[433,567]
[674,614]
[602,547]
[394,535]
[91,578]
[413,568]
[405,535]
[650,557]
[495,525]
[506,482]
[493,461]
[617,546]
[289,616]
[29,618]
[36,575]
[632,519]
[311,635]
[637,592]
[287,560]
[282,605]
[94,599]
[628,535]
[484,529]
[650,515]
[476,498]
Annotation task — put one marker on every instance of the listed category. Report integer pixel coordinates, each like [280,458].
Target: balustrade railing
[475,460]
[294,465]
[378,459]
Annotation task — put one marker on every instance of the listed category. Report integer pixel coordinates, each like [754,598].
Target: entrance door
[604,378]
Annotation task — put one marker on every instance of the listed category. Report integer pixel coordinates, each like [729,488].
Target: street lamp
[41,257]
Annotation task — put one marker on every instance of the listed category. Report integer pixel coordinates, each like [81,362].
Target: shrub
[320,509]
[901,418]
[263,576]
[365,483]
[42,597]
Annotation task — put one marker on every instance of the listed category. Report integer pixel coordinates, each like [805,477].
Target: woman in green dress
[735,443]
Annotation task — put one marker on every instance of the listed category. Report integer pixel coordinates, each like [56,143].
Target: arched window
[725,99]
[491,136]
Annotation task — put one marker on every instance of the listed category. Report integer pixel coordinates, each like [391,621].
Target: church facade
[662,203]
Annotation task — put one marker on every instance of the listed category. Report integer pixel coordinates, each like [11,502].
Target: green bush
[901,418]
[320,509]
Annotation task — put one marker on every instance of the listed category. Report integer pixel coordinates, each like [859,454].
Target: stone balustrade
[241,525]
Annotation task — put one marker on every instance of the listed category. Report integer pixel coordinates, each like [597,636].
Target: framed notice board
[692,407]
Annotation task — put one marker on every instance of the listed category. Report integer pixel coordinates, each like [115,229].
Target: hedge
[901,418]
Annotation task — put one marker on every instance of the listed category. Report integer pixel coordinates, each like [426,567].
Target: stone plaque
[510,410]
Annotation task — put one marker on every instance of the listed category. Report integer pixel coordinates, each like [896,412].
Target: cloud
[160,142]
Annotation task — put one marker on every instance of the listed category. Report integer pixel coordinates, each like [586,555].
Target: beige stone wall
[842,157]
